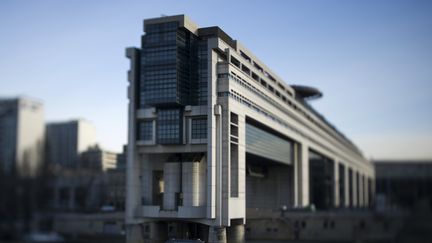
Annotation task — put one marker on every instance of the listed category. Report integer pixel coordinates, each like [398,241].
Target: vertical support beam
[360,187]
[354,202]
[336,183]
[365,192]
[303,175]
[133,170]
[211,129]
[296,171]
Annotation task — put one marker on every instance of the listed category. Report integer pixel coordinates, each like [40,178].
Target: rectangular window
[234,170]
[145,130]
[169,126]
[199,128]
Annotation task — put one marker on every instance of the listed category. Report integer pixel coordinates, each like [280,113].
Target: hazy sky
[371,59]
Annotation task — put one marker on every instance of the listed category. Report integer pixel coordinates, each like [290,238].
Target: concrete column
[172,185]
[347,188]
[336,183]
[354,189]
[365,192]
[303,175]
[191,183]
[296,170]
[361,189]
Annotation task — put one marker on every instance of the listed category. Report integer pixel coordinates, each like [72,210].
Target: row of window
[269,99]
[199,128]
[168,26]
[246,70]
[158,37]
[169,128]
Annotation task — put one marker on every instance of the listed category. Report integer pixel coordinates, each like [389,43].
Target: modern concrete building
[98,159]
[65,141]
[22,131]
[215,135]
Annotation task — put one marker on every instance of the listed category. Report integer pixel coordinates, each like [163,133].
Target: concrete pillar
[354,189]
[190,183]
[365,192]
[217,234]
[302,164]
[172,185]
[296,170]
[347,188]
[336,183]
[361,189]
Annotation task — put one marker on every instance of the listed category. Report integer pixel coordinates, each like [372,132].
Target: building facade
[215,135]
[65,141]
[22,131]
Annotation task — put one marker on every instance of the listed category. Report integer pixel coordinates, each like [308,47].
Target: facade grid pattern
[169,126]
[199,128]
[145,130]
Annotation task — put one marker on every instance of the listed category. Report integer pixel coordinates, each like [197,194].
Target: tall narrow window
[234,170]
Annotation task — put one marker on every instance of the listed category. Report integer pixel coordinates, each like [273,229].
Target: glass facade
[202,72]
[170,74]
[159,58]
[169,126]
[145,130]
[321,183]
[265,144]
[199,128]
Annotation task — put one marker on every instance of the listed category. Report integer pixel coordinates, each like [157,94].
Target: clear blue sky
[371,59]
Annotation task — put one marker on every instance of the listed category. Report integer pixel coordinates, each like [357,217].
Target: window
[235,62]
[234,170]
[199,128]
[169,126]
[145,130]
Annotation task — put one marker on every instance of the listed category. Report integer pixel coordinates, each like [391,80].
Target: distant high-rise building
[98,159]
[67,140]
[21,135]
